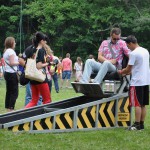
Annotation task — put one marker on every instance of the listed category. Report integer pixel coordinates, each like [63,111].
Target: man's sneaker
[142,126]
[135,127]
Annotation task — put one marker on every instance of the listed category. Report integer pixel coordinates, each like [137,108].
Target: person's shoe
[80,81]
[91,81]
[135,126]
[142,126]
[57,91]
[76,80]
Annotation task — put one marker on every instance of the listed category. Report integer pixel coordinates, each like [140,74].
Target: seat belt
[111,50]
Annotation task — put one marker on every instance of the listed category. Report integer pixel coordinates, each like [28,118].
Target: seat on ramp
[117,84]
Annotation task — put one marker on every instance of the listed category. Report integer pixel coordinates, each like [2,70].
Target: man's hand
[113,61]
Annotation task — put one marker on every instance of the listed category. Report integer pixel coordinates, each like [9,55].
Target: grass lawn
[109,139]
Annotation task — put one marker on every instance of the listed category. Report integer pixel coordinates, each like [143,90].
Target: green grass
[109,139]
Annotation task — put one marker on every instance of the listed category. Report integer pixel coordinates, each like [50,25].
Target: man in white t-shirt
[138,66]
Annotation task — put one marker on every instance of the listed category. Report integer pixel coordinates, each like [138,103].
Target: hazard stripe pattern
[106,115]
[86,117]
[20,127]
[123,107]
[64,121]
[43,124]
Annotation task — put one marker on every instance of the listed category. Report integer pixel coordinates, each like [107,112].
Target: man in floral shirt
[110,55]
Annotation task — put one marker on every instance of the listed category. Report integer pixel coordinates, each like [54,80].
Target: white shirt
[6,56]
[139,59]
[77,66]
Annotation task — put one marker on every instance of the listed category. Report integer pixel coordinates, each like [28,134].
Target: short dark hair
[131,39]
[116,31]
[68,55]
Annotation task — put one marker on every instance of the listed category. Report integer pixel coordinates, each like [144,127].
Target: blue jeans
[55,79]
[29,95]
[50,85]
[102,68]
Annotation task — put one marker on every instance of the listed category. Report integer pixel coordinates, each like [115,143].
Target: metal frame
[75,111]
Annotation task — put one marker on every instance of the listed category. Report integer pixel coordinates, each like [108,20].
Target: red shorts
[139,95]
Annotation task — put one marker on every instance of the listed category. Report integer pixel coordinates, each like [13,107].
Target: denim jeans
[50,85]
[102,68]
[55,79]
[29,95]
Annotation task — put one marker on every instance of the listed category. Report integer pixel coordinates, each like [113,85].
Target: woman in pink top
[67,69]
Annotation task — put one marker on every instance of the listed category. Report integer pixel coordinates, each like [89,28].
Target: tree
[76,26]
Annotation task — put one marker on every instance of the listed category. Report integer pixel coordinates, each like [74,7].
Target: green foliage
[76,26]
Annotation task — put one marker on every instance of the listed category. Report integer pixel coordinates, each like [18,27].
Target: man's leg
[138,113]
[135,97]
[143,115]
[67,83]
[105,67]
[63,78]
[143,109]
[68,77]
[90,66]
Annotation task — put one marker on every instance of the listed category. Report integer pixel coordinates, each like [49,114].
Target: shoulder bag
[31,71]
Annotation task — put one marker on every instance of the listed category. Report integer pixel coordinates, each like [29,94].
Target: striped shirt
[118,48]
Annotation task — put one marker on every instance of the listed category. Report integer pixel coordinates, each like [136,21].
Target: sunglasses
[115,39]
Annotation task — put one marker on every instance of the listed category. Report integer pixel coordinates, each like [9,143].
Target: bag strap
[111,50]
[10,66]
[36,54]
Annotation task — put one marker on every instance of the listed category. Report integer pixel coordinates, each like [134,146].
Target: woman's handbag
[23,79]
[31,71]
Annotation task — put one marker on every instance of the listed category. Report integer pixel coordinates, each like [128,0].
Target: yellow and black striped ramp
[43,124]
[20,127]
[106,114]
[64,121]
[124,112]
[39,124]
[86,117]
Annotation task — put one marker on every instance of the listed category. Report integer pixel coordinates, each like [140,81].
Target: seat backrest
[125,61]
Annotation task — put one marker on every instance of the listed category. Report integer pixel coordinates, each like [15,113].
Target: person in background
[1,69]
[107,62]
[59,68]
[28,53]
[49,58]
[56,63]
[78,67]
[67,70]
[11,65]
[138,66]
[20,67]
[91,56]
[38,87]
[2,63]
